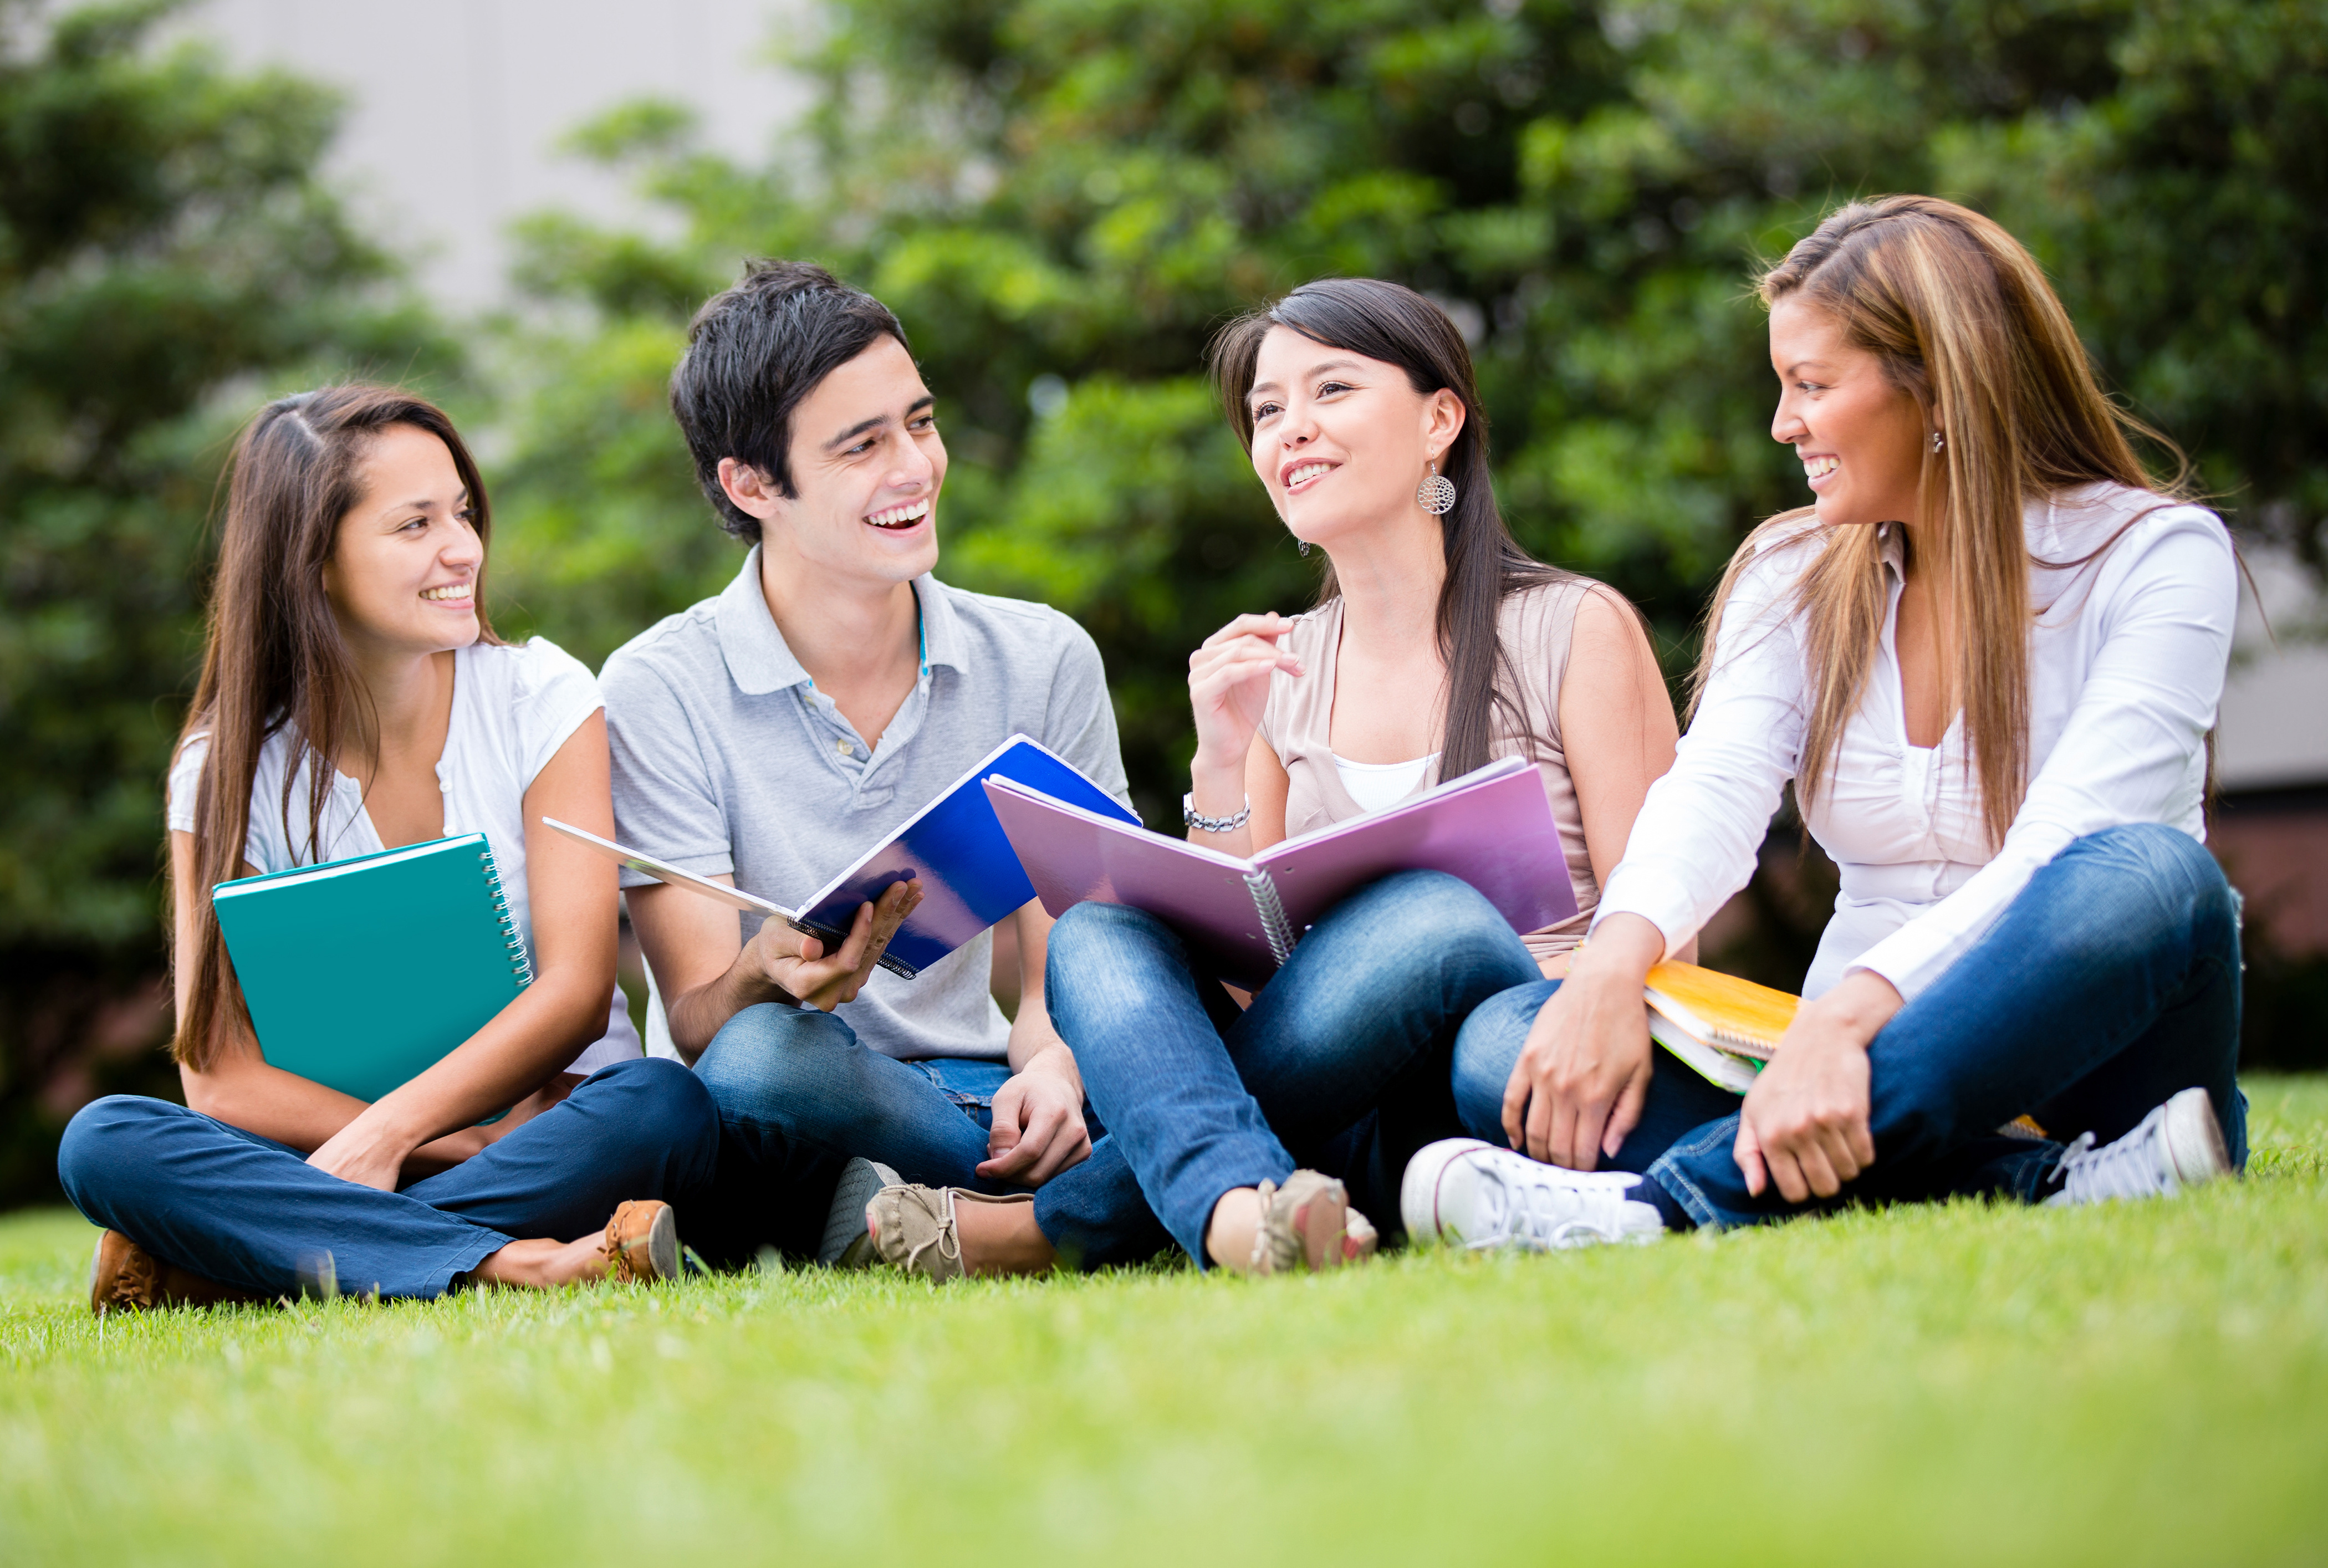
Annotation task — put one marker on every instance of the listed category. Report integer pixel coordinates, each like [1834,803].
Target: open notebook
[953,846]
[1493,828]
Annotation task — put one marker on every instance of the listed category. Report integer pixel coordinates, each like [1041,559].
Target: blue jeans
[798,1094]
[2110,985]
[251,1213]
[1340,1064]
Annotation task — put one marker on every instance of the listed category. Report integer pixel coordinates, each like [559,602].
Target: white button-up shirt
[2126,666]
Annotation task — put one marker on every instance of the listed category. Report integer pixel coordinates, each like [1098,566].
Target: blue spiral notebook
[362,973]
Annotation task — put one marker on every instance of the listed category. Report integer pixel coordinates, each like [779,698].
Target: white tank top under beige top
[1535,628]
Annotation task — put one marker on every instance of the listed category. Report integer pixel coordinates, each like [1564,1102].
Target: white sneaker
[2179,1145]
[1483,1197]
[844,1222]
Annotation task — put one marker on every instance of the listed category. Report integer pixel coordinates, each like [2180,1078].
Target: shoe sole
[2195,1139]
[662,1244]
[846,1244]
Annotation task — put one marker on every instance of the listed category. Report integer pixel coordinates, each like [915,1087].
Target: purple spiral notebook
[1493,828]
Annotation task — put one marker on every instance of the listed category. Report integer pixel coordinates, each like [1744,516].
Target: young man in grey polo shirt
[770,735]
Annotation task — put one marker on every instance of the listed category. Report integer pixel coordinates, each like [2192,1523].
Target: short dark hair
[752,353]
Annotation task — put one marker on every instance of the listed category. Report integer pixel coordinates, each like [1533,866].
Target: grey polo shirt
[728,758]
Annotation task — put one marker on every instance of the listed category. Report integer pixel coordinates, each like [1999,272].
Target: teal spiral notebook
[362,973]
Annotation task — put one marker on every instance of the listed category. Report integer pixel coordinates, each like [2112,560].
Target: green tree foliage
[164,253]
[1064,198]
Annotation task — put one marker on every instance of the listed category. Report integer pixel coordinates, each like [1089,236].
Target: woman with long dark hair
[1988,657]
[354,698]
[1437,644]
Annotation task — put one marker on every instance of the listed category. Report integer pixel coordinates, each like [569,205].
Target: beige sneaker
[124,1277]
[1309,1223]
[643,1242]
[913,1228]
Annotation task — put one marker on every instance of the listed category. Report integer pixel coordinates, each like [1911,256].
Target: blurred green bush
[1063,198]
[166,258]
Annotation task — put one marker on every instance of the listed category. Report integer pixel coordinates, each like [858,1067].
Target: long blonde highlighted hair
[1964,322]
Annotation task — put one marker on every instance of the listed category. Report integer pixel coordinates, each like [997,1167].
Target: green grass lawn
[2142,1384]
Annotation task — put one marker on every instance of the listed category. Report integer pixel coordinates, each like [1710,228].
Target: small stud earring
[1305,546]
[1436,493]
[1938,442]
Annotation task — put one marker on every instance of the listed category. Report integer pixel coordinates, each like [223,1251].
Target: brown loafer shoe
[643,1243]
[1309,1223]
[124,1277]
[913,1227]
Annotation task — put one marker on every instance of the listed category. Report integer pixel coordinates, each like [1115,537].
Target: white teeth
[450,591]
[1308,471]
[896,516]
[1820,467]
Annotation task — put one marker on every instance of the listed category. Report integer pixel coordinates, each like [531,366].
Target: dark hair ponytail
[1392,322]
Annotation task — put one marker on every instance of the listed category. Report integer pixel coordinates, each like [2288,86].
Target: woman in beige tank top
[1438,645]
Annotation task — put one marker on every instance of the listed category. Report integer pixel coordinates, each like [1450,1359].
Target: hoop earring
[1938,442]
[1436,493]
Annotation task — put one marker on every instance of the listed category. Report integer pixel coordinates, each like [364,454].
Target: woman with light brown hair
[354,698]
[1988,657]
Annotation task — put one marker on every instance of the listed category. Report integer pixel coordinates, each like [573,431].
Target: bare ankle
[1228,1237]
[1002,1239]
[541,1264]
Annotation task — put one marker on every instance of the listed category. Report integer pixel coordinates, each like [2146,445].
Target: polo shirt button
[843,747]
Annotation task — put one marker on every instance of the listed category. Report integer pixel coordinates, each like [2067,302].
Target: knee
[663,1104]
[2181,876]
[765,1054]
[99,1143]
[1488,1046]
[1091,929]
[1477,950]
[1091,938]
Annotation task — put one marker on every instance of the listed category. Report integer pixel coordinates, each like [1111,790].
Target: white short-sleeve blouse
[514,706]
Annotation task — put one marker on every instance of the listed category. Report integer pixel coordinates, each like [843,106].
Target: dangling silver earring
[1938,442]
[1305,546]
[1436,493]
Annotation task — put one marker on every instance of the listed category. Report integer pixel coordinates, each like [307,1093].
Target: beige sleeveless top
[1533,627]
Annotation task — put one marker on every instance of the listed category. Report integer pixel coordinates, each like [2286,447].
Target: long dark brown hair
[274,658]
[1393,323]
[1964,321]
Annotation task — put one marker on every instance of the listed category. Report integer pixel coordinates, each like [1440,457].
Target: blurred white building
[457,108]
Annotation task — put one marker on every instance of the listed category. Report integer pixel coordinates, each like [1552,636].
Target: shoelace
[948,1239]
[2126,1168]
[1263,1261]
[1564,1212]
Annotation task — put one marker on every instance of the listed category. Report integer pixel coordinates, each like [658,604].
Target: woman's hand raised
[1228,686]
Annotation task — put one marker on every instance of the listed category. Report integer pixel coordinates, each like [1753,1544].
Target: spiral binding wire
[1274,922]
[521,964]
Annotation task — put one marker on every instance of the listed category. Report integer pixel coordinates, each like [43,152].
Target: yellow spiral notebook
[1726,1028]
[1721,1010]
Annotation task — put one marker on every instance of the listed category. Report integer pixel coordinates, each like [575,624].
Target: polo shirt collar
[941,628]
[760,661]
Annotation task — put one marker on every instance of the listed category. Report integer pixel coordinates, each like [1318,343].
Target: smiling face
[1861,437]
[403,573]
[1340,441]
[867,464]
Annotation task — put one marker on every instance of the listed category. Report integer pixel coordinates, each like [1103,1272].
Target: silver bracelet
[1197,819]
